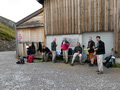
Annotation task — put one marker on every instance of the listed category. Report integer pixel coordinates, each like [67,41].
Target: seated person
[78,52]
[45,53]
[27,47]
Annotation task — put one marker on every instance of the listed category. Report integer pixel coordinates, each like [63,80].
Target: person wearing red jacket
[64,46]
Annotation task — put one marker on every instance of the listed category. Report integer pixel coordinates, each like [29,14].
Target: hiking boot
[81,63]
[91,65]
[66,63]
[72,64]
[97,71]
[100,72]
[54,61]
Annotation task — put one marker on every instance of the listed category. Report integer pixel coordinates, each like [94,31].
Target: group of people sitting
[99,50]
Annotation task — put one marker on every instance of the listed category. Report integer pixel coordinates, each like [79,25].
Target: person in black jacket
[78,52]
[91,46]
[40,47]
[53,47]
[45,53]
[31,49]
[100,51]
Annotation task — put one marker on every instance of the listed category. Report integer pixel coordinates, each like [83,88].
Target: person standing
[100,51]
[53,47]
[64,46]
[78,52]
[91,46]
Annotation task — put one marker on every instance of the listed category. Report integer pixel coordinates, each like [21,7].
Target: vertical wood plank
[92,15]
[76,16]
[89,16]
[73,17]
[79,16]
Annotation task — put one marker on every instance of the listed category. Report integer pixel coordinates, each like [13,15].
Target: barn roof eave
[30,16]
[41,1]
[30,26]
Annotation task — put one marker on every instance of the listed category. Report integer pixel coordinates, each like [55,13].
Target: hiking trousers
[74,57]
[100,62]
[53,56]
[65,55]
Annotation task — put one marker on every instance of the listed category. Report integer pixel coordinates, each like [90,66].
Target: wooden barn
[30,29]
[79,19]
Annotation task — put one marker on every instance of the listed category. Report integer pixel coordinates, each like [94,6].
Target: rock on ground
[58,76]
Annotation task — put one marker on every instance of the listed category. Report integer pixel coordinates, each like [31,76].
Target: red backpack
[30,59]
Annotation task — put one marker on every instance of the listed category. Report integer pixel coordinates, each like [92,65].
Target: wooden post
[16,40]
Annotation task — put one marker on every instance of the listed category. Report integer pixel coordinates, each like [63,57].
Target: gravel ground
[58,76]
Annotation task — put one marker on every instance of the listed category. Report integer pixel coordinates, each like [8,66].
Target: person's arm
[67,43]
[88,46]
[47,50]
[93,45]
[75,49]
[80,50]
[52,44]
[56,44]
[61,44]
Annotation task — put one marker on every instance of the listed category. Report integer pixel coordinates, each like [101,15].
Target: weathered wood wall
[30,35]
[39,19]
[79,16]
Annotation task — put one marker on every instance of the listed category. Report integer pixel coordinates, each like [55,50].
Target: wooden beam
[30,26]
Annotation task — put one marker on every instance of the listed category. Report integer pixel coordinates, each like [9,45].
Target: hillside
[7,22]
[7,35]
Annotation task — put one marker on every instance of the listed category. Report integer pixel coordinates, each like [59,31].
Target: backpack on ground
[109,64]
[70,51]
[30,59]
[20,61]
[95,59]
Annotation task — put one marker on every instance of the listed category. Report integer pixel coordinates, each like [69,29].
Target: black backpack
[70,51]
[20,61]
[109,64]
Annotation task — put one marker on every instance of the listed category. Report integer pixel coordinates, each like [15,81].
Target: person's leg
[91,55]
[66,56]
[53,56]
[73,59]
[43,57]
[100,63]
[80,58]
[47,57]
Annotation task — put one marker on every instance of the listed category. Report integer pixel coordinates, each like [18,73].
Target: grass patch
[116,66]
[37,60]
[6,33]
